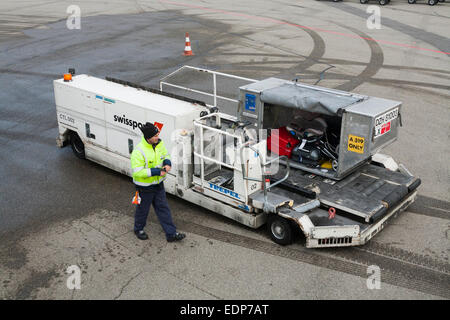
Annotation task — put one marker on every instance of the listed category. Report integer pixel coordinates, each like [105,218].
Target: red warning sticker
[159,126]
[383,122]
[385,128]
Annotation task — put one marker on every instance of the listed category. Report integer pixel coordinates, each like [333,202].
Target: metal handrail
[263,165]
[214,73]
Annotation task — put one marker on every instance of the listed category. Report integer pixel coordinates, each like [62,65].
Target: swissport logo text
[128,122]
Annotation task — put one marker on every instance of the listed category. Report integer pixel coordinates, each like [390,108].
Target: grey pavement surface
[57,210]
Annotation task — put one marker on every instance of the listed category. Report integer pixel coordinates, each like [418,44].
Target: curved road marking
[247,16]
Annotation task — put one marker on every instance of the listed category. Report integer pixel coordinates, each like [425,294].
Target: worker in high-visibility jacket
[150,163]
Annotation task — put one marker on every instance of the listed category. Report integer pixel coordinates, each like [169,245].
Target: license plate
[383,123]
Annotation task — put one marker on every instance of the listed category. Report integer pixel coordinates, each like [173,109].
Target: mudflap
[299,218]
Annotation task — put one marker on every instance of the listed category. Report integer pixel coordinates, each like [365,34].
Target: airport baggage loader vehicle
[295,157]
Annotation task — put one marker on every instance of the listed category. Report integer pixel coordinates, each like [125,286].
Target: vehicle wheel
[382,2]
[77,145]
[363,1]
[411,1]
[280,229]
[334,165]
[432,2]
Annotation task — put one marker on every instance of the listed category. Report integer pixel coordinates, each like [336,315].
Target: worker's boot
[141,235]
[176,237]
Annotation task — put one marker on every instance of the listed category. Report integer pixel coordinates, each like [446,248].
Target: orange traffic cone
[187,48]
[136,198]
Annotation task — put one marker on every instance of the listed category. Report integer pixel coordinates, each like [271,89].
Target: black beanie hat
[149,130]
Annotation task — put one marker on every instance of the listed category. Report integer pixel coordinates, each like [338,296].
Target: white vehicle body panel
[113,113]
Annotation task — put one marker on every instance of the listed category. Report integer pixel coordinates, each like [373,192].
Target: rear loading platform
[361,203]
[330,212]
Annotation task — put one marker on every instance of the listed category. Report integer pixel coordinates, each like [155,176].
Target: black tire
[382,2]
[363,1]
[432,2]
[411,1]
[77,145]
[280,230]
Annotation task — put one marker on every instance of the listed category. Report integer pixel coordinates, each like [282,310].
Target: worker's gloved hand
[167,167]
[158,172]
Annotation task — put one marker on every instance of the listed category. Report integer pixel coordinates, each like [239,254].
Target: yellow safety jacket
[144,158]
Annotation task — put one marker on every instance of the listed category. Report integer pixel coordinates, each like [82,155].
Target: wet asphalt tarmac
[42,184]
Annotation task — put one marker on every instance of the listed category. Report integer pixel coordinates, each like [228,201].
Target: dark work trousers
[155,195]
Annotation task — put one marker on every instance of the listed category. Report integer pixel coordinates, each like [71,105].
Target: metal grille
[328,241]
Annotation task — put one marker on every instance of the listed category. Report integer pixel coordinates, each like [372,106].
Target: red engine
[282,142]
